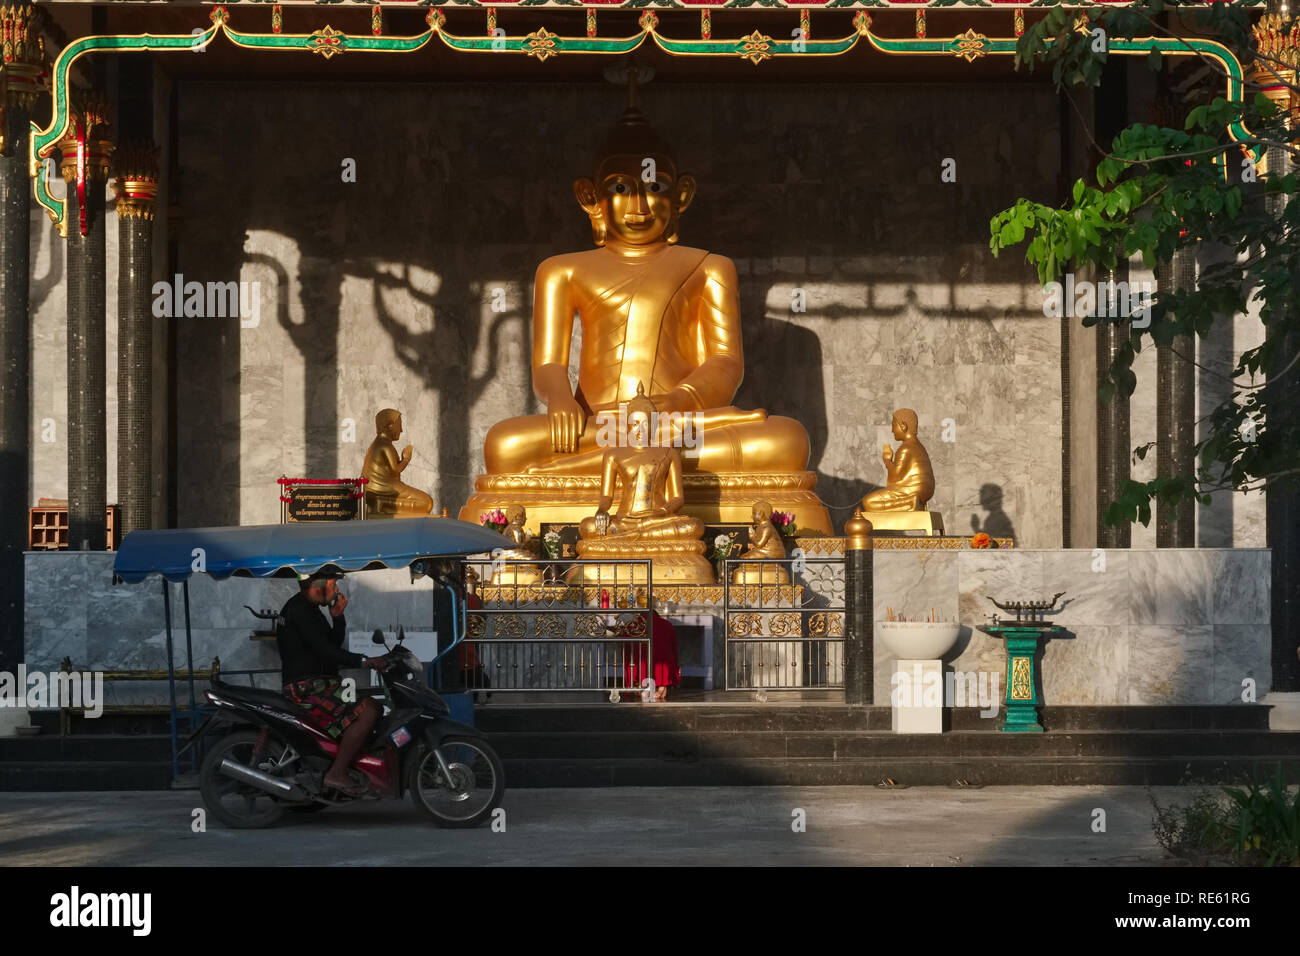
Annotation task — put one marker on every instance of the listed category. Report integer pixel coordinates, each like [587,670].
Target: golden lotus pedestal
[672,562]
[931,522]
[713,498]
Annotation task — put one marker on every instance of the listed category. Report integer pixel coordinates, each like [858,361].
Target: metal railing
[541,626]
[784,636]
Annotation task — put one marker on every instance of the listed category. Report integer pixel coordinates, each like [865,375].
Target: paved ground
[672,826]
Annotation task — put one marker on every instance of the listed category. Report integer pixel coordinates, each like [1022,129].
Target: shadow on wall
[996,522]
[435,355]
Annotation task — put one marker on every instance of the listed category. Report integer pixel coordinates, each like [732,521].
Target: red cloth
[663,653]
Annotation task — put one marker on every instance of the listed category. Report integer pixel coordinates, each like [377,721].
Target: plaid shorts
[322,704]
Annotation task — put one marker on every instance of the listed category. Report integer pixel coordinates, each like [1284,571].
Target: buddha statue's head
[905,424]
[762,511]
[388,422]
[640,414]
[516,516]
[637,193]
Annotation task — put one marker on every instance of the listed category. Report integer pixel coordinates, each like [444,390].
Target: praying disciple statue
[900,505]
[387,495]
[764,542]
[523,547]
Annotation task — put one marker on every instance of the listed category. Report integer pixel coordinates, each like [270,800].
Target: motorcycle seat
[253,695]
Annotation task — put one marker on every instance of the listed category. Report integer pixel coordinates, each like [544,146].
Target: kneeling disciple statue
[523,547]
[764,542]
[900,505]
[387,496]
[647,523]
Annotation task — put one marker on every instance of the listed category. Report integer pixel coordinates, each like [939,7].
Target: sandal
[353,789]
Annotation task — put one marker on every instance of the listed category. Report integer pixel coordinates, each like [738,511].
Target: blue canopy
[284,550]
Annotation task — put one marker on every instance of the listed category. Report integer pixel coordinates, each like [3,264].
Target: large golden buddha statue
[652,312]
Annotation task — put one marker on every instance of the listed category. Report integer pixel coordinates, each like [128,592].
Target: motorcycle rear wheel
[237,804]
[477,789]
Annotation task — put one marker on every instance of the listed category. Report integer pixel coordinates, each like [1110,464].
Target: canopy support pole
[171,671]
[189,650]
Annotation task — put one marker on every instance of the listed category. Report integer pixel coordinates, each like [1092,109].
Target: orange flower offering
[981,540]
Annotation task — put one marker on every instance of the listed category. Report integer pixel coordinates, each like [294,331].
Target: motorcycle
[271,761]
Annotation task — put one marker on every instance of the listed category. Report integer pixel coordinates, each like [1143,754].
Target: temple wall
[383,291]
[380,292]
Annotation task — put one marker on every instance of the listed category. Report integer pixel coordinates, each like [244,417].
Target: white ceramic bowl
[918,640]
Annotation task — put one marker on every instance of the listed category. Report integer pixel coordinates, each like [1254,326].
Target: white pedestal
[1285,714]
[12,718]
[916,697]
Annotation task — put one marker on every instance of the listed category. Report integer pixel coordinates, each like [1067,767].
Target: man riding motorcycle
[311,653]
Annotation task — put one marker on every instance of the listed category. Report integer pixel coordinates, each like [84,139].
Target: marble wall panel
[1241,587]
[1170,664]
[1172,586]
[1240,652]
[1087,665]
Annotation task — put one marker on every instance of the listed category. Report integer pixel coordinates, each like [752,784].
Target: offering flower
[551,542]
[981,540]
[783,521]
[494,519]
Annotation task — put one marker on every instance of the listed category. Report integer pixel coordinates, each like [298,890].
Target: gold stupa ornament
[652,312]
[909,476]
[387,496]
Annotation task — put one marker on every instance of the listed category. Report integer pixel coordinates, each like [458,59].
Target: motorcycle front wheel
[234,803]
[475,789]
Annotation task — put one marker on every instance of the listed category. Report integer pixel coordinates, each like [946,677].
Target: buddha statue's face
[638,429]
[628,209]
[762,512]
[901,430]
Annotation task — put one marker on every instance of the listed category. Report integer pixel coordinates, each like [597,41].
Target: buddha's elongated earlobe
[585,191]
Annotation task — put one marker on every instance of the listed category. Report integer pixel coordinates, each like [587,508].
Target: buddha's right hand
[568,419]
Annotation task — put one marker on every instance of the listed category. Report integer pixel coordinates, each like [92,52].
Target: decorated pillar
[136,188]
[1276,70]
[21,60]
[1176,412]
[1113,443]
[859,613]
[86,151]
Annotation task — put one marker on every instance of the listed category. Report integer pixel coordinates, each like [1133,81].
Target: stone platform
[1142,627]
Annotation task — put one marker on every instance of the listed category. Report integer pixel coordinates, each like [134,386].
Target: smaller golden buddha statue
[522,547]
[900,505]
[387,496]
[764,542]
[647,523]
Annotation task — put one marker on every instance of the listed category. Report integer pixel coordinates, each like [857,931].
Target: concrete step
[909,771]
[85,775]
[664,745]
[728,717]
[91,747]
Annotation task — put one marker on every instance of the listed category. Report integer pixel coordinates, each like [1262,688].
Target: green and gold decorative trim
[757,47]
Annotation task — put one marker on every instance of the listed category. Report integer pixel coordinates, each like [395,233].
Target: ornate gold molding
[135,183]
[22,62]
